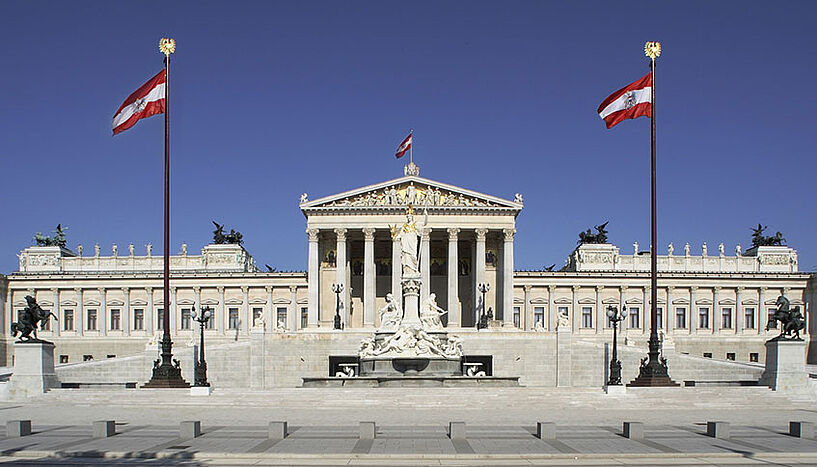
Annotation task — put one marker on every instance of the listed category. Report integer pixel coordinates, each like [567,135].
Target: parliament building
[713,305]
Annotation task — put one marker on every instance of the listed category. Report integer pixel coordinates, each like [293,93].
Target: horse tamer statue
[31,316]
[791,320]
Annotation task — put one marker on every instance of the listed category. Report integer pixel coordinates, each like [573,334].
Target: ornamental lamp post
[482,323]
[338,289]
[615,364]
[200,377]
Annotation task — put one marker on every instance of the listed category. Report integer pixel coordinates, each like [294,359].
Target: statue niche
[599,237]
[232,238]
[758,239]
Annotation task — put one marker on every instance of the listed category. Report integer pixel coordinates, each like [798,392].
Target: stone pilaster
[693,313]
[646,311]
[245,310]
[739,316]
[126,312]
[507,278]
[55,325]
[295,316]
[369,277]
[173,315]
[551,317]
[103,320]
[526,312]
[598,325]
[220,311]
[150,323]
[622,305]
[716,312]
[762,314]
[79,319]
[312,278]
[454,315]
[575,313]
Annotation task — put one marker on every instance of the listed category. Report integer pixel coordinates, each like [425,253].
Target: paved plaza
[412,427]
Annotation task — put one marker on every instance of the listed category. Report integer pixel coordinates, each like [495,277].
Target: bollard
[802,429]
[456,430]
[104,428]
[367,430]
[190,429]
[277,430]
[634,430]
[545,430]
[718,430]
[18,428]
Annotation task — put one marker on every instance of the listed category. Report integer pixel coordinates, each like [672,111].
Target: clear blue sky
[272,99]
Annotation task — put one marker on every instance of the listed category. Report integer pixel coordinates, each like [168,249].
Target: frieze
[409,194]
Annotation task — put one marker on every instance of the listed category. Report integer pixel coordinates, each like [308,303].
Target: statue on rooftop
[57,240]
[31,316]
[599,237]
[232,238]
[758,239]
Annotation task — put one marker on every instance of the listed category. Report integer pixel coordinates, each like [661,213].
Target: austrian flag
[145,102]
[404,146]
[631,101]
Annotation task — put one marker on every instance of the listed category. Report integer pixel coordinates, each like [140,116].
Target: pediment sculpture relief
[410,195]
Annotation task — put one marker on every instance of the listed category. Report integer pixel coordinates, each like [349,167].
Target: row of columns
[504,289]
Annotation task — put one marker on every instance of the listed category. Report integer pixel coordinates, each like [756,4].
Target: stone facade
[712,305]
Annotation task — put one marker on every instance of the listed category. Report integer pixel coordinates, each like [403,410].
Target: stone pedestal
[33,369]
[785,365]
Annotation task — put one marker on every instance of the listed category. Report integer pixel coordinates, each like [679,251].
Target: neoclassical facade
[713,304]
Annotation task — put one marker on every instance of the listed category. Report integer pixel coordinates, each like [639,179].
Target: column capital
[292,288]
[125,290]
[527,288]
[453,232]
[576,287]
[481,232]
[220,289]
[244,289]
[551,288]
[717,288]
[623,287]
[101,290]
[599,288]
[509,233]
[693,288]
[149,290]
[313,234]
[341,234]
[54,289]
[764,289]
[368,234]
[740,288]
[196,289]
[426,233]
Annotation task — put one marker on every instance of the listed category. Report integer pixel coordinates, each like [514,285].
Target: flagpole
[653,371]
[165,373]
[411,148]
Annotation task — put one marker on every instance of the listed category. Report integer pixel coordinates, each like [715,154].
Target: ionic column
[126,324]
[527,313]
[294,320]
[369,279]
[575,311]
[693,313]
[55,327]
[507,278]
[245,310]
[762,314]
[738,310]
[551,318]
[197,304]
[396,270]
[312,278]
[8,319]
[454,318]
[150,325]
[80,317]
[670,323]
[340,273]
[716,315]
[479,270]
[598,324]
[623,307]
[103,311]
[220,320]
[646,311]
[425,264]
[269,322]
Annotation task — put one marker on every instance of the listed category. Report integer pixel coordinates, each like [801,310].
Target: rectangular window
[587,317]
[516,317]
[91,320]
[115,319]
[730,356]
[635,317]
[749,318]
[659,321]
[681,318]
[67,320]
[138,319]
[707,354]
[160,318]
[772,324]
[63,358]
[726,318]
[753,356]
[256,315]
[87,358]
[210,324]
[185,324]
[281,316]
[46,323]
[539,316]
[304,316]
[703,317]
[233,319]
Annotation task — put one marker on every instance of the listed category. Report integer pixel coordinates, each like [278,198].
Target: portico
[466,239]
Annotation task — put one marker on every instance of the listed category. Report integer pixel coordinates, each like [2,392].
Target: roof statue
[758,239]
[57,240]
[599,237]
[232,238]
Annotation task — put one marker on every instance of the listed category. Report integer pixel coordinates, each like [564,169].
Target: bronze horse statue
[791,320]
[31,316]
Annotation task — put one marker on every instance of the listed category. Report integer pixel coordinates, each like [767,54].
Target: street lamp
[483,318]
[200,377]
[615,365]
[338,289]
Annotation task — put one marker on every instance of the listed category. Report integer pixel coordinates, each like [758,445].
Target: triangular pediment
[420,192]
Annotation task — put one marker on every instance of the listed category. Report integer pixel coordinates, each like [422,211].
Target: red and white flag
[404,146]
[631,101]
[145,102]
